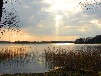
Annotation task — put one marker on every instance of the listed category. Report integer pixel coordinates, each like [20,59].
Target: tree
[1,5]
[89,4]
[9,20]
[80,41]
[89,40]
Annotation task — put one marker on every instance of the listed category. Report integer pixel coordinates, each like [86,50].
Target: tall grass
[78,61]
[12,52]
[75,61]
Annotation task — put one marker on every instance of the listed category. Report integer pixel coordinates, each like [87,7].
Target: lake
[40,58]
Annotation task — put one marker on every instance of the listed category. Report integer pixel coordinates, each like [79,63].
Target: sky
[54,20]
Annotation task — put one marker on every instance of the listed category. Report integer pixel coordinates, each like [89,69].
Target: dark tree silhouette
[89,40]
[4,2]
[89,4]
[80,41]
[1,5]
[9,20]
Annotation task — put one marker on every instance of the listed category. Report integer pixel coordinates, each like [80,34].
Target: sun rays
[58,19]
[60,9]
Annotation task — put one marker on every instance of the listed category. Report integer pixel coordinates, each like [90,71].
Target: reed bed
[13,52]
[81,62]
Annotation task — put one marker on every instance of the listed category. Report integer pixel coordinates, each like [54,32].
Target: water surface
[36,58]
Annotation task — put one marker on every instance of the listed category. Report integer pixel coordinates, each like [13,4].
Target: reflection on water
[63,44]
[21,59]
[38,58]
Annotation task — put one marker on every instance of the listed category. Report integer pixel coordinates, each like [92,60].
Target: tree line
[89,40]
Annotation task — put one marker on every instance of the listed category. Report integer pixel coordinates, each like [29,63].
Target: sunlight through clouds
[55,19]
[61,6]
[58,20]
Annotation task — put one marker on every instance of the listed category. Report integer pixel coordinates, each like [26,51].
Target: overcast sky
[55,20]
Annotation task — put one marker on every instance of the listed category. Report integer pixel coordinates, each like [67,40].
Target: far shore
[35,42]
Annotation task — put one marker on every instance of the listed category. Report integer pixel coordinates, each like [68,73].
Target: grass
[77,62]
[12,52]
[65,62]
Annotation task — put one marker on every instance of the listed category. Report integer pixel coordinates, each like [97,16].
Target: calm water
[31,58]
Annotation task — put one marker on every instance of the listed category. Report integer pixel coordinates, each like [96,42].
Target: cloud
[39,19]
[76,19]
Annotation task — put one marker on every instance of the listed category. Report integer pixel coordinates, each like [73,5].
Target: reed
[12,52]
[82,62]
